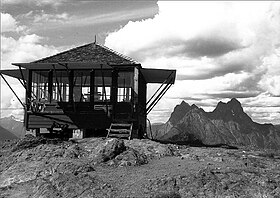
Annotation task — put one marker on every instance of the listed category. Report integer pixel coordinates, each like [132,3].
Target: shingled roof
[92,52]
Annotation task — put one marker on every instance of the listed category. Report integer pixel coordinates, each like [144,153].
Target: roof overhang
[159,75]
[71,65]
[63,65]
[15,73]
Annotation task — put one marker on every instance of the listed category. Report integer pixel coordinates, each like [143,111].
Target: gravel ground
[98,167]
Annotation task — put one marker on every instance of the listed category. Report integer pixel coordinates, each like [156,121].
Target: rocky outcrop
[227,124]
[99,167]
[53,168]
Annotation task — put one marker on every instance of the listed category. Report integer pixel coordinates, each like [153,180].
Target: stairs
[120,130]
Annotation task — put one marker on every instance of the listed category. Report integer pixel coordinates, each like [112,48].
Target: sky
[220,50]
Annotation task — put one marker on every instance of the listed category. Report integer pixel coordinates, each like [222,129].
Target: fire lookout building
[89,89]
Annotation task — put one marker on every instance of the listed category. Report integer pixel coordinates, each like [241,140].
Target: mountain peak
[194,106]
[231,110]
[234,100]
[235,105]
[183,103]
[179,112]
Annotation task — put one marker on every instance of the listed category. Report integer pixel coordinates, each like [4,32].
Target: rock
[103,150]
[112,148]
[29,141]
[152,149]
[217,159]
[72,152]
[131,157]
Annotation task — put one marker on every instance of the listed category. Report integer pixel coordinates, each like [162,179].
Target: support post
[22,76]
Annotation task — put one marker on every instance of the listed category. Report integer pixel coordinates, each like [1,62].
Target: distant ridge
[13,126]
[6,135]
[226,124]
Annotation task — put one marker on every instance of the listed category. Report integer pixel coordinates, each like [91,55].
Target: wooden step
[119,136]
[120,125]
[120,130]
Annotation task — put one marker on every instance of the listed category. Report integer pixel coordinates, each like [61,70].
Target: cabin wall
[106,95]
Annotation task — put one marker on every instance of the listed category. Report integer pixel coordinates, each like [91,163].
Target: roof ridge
[66,51]
[118,53]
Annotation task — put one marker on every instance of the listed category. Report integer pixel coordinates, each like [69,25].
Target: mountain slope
[6,135]
[227,124]
[195,127]
[178,113]
[13,126]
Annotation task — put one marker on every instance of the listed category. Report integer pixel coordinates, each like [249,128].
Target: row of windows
[81,86]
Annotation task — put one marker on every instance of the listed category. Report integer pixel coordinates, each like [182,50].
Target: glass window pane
[81,89]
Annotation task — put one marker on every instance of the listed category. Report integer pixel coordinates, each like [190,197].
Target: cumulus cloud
[25,48]
[9,24]
[219,49]
[9,103]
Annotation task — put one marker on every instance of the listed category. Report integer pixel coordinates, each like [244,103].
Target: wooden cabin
[88,91]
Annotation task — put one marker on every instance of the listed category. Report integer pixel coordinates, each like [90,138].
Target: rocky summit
[98,167]
[227,124]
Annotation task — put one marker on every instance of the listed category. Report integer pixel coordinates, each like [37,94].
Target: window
[40,85]
[125,84]
[102,86]
[81,89]
[60,89]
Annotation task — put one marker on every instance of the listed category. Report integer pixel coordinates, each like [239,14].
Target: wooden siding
[95,120]
[75,116]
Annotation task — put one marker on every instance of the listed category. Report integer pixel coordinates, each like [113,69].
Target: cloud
[210,47]
[219,49]
[34,2]
[9,103]
[26,48]
[50,18]
[41,17]
[9,24]
[116,16]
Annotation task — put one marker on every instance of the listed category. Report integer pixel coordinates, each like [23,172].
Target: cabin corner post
[28,93]
[135,93]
